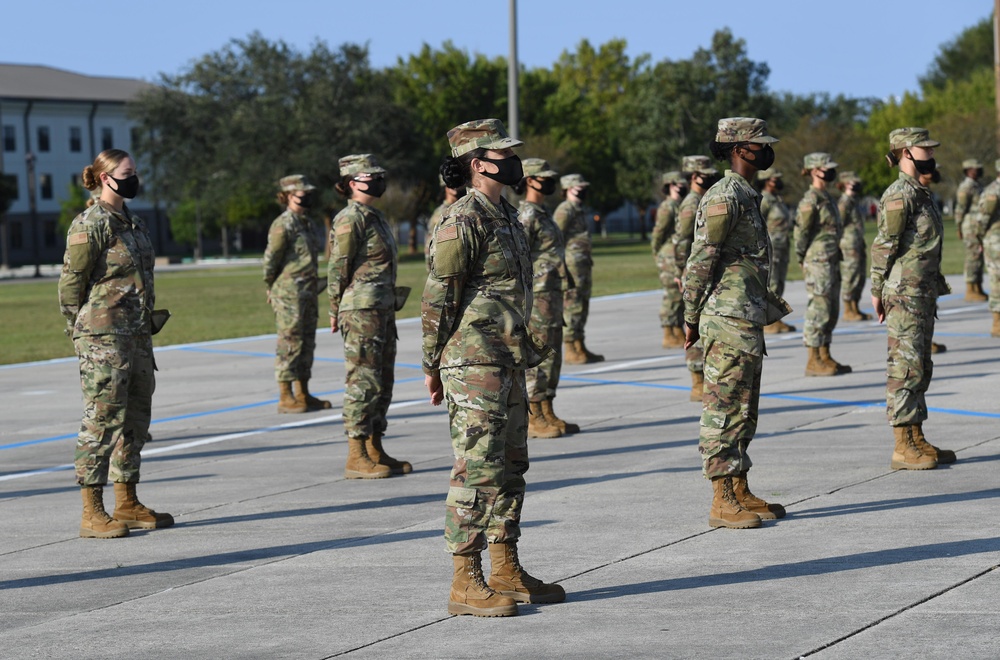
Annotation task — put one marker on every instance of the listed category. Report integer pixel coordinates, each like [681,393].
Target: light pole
[33,210]
[512,75]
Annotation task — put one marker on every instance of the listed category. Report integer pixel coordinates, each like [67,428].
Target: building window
[43,138]
[75,139]
[16,236]
[11,183]
[136,136]
[49,233]
[9,138]
[45,186]
[74,179]
[107,138]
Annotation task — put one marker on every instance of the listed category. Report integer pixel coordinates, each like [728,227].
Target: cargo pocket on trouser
[464,521]
[720,453]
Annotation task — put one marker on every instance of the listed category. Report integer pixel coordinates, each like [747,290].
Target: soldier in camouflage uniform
[476,347]
[450,196]
[701,175]
[572,221]
[547,247]
[106,295]
[966,202]
[291,274]
[779,228]
[906,282]
[363,304]
[672,308]
[817,247]
[726,303]
[853,261]
[986,225]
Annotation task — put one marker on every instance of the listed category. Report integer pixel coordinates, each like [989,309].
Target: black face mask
[924,166]
[305,200]
[779,185]
[127,187]
[682,191]
[762,159]
[376,187]
[548,186]
[829,175]
[936,177]
[581,194]
[509,170]
[979,173]
[706,182]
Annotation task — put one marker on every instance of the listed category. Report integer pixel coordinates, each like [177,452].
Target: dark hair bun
[451,171]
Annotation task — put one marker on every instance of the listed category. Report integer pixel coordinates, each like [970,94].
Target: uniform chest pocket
[925,225]
[119,255]
[500,259]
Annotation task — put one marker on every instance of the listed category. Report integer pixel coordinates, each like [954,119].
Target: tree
[73,205]
[961,57]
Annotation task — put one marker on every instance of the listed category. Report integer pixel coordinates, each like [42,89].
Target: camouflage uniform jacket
[777,216]
[477,299]
[906,252]
[817,227]
[684,231]
[548,251]
[663,230]
[432,224]
[850,213]
[290,260]
[106,285]
[362,270]
[986,213]
[966,198]
[572,222]
[730,263]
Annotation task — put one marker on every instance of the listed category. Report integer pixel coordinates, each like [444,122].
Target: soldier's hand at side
[267,295]
[691,336]
[435,388]
[959,233]
[879,309]
[680,285]
[333,324]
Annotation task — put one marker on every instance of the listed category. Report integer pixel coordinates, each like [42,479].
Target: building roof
[36,82]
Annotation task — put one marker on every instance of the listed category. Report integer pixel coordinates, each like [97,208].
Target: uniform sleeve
[683,234]
[892,214]
[962,203]
[985,212]
[84,244]
[805,222]
[712,224]
[274,254]
[452,249]
[661,230]
[432,224]
[347,235]
[563,216]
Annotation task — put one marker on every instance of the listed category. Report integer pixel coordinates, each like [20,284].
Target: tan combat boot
[938,348]
[509,578]
[670,339]
[96,523]
[359,465]
[697,386]
[850,311]
[373,447]
[538,425]
[942,456]
[471,595]
[134,514]
[907,455]
[591,357]
[311,402]
[566,428]
[726,510]
[681,338]
[571,355]
[752,503]
[974,292]
[287,403]
[824,355]
[778,327]
[816,366]
[995,330]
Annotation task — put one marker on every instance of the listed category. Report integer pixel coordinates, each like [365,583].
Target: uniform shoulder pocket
[895,216]
[449,258]
[716,222]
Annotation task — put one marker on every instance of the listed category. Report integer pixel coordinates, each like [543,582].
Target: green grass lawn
[219,303]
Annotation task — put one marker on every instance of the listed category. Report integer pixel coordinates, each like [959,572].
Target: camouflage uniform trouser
[823,286]
[370,362]
[779,266]
[546,324]
[853,264]
[910,325]
[973,252]
[576,301]
[730,404]
[489,434]
[672,306]
[694,357]
[991,247]
[295,317]
[116,374]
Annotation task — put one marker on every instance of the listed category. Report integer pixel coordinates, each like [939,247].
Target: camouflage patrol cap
[971,164]
[356,164]
[699,164]
[848,177]
[572,181]
[743,129]
[537,167]
[818,159]
[295,182]
[673,177]
[480,134]
[902,138]
[766,175]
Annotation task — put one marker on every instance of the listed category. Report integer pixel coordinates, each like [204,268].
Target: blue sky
[854,47]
